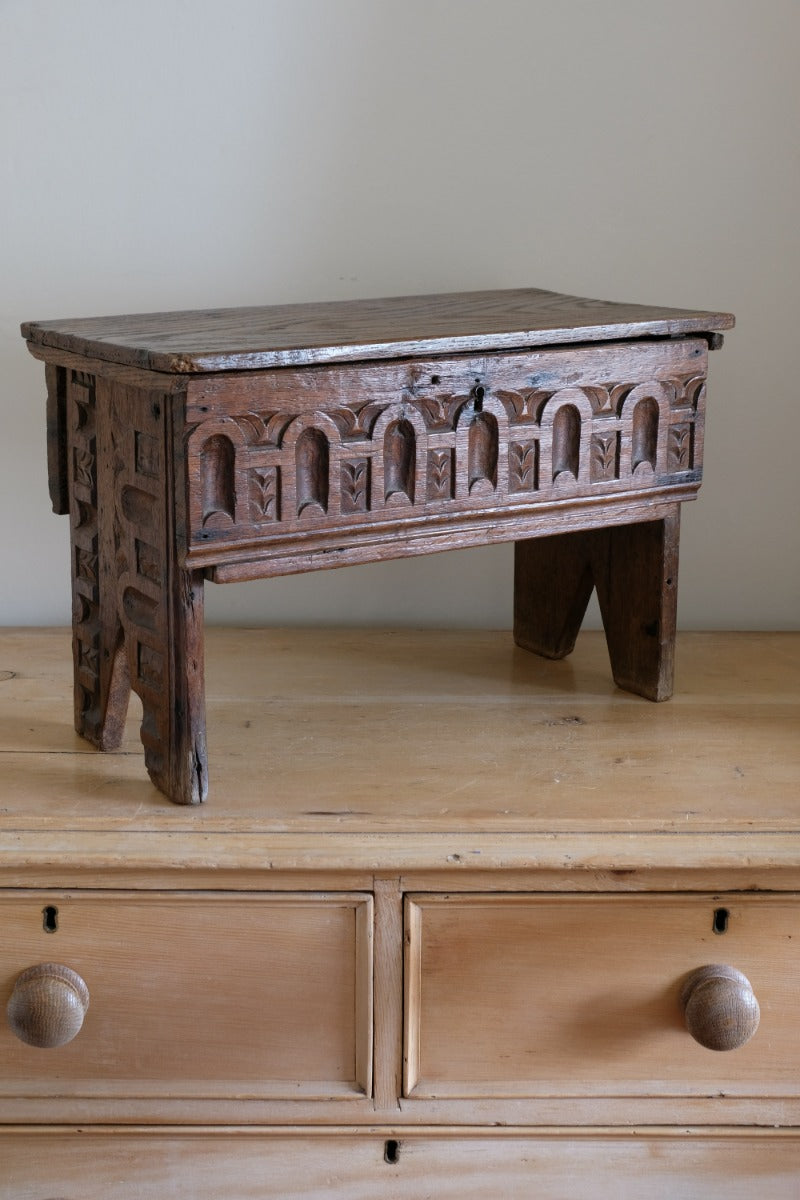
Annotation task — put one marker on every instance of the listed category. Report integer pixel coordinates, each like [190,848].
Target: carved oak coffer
[243,443]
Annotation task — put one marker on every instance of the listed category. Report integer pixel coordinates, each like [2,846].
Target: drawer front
[327,451]
[85,1165]
[196,995]
[521,996]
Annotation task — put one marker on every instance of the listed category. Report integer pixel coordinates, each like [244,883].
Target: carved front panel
[286,452]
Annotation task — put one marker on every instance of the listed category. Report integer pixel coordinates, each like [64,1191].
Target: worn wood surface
[315,467]
[197,995]
[222,996]
[491,416]
[296,334]
[407,735]
[635,571]
[530,995]
[636,1164]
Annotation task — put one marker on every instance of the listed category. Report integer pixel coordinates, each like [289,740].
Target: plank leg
[635,571]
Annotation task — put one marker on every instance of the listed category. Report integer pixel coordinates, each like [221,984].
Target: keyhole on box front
[50,918]
[391,1152]
[720,924]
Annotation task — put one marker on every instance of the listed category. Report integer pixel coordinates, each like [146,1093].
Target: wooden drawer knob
[720,1008]
[47,1005]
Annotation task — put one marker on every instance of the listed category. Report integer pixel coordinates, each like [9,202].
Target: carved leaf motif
[440,485]
[599,398]
[680,443]
[264,494]
[617,394]
[604,456]
[692,391]
[439,412]
[522,466]
[357,420]
[355,479]
[263,429]
[525,404]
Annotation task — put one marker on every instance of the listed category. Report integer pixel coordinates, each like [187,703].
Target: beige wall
[180,153]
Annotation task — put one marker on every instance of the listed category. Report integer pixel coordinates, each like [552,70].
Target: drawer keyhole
[720,924]
[391,1152]
[50,918]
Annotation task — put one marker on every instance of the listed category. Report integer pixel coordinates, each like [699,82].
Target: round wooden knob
[47,1005]
[719,1007]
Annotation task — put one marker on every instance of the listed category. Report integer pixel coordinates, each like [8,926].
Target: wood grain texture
[198,996]
[720,1007]
[635,571]
[277,457]
[362,460]
[634,1164]
[297,334]
[540,996]
[414,740]
[388,994]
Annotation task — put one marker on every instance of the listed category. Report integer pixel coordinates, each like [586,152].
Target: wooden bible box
[243,443]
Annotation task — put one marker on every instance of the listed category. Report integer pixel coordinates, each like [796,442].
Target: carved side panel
[159,606]
[81,411]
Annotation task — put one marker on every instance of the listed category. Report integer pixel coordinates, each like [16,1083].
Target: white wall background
[182,153]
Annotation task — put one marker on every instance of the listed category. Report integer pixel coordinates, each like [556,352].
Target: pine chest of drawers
[458,952]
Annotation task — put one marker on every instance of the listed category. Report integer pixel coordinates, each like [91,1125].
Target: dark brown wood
[322,462]
[270,462]
[635,570]
[57,438]
[638,593]
[137,614]
[346,330]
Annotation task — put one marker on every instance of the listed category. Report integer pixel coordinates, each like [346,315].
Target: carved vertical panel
[566,442]
[399,459]
[312,467]
[158,604]
[82,485]
[483,452]
[217,467]
[645,434]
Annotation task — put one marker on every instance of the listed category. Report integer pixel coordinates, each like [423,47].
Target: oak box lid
[254,338]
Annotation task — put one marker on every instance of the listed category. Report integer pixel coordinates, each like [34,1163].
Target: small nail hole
[391,1152]
[720,924]
[435,379]
[50,919]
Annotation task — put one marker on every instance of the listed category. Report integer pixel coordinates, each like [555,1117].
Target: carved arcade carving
[273,473]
